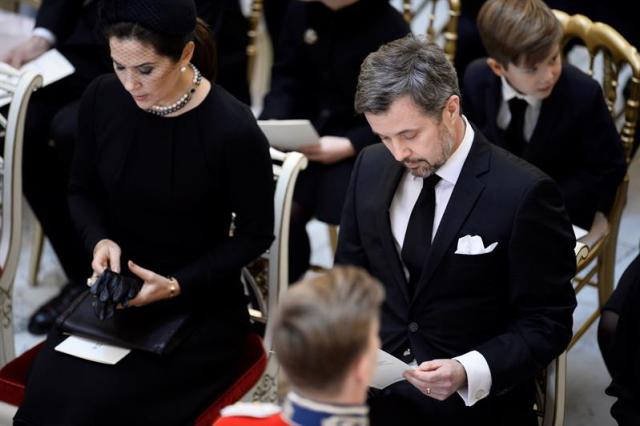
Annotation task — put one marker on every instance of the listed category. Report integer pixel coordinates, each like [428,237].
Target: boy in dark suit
[471,243]
[554,116]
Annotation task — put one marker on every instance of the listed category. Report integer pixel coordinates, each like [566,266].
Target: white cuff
[478,377]
[45,34]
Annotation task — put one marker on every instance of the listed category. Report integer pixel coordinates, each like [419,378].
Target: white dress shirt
[45,34]
[475,365]
[531,114]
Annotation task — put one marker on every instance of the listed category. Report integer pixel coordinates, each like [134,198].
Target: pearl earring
[183,69]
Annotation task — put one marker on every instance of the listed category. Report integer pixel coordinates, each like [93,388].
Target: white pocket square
[473,245]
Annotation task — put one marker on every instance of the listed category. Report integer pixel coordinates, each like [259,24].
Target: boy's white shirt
[530,116]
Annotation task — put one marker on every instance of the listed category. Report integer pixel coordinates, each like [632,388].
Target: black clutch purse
[156,328]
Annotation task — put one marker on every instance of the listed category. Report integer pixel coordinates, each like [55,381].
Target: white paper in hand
[51,65]
[389,370]
[289,135]
[92,350]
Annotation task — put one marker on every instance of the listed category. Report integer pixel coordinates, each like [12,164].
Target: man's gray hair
[408,66]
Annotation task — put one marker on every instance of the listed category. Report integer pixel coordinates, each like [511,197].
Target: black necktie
[515,130]
[417,239]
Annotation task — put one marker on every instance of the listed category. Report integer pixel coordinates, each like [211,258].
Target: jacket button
[413,327]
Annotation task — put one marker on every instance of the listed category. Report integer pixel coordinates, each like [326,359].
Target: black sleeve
[350,250]
[86,194]
[281,101]
[602,155]
[541,266]
[249,176]
[626,352]
[59,16]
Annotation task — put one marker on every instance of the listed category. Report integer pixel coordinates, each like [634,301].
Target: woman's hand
[155,287]
[106,254]
[329,150]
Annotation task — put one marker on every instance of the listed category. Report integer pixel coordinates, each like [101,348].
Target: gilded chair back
[609,54]
[449,31]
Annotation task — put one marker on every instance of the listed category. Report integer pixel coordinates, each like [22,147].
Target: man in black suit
[486,303]
[73,27]
[567,130]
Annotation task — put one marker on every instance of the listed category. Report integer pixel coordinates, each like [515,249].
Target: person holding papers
[472,244]
[326,340]
[164,157]
[314,77]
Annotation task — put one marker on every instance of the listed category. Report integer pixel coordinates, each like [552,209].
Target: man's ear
[496,67]
[451,108]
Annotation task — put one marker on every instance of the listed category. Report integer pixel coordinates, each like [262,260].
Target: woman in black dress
[164,159]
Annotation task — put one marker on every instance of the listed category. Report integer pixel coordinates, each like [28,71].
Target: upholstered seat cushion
[14,375]
[253,365]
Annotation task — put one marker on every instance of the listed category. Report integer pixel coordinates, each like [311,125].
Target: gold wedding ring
[173,288]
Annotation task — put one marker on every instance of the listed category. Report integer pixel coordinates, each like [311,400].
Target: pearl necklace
[184,99]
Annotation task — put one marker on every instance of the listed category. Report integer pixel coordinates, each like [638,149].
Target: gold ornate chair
[448,33]
[609,52]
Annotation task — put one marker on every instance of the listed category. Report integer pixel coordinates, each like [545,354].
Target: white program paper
[92,350]
[389,370]
[51,65]
[289,134]
[579,232]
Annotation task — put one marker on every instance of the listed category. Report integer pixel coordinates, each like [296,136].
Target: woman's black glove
[111,290]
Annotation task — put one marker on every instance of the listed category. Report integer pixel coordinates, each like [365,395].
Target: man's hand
[26,51]
[329,150]
[439,378]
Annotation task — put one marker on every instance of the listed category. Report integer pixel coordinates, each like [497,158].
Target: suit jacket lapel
[464,196]
[391,178]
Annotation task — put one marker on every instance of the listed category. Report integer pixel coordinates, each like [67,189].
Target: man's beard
[422,167]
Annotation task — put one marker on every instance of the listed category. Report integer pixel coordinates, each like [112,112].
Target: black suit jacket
[513,305]
[575,140]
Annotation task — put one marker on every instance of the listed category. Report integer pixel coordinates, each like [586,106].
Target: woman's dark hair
[204,55]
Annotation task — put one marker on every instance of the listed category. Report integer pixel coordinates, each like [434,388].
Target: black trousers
[402,404]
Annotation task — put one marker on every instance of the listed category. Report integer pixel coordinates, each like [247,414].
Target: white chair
[16,87]
[268,277]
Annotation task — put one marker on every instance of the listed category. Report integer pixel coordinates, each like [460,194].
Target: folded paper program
[473,245]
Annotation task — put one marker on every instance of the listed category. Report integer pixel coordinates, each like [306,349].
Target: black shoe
[45,317]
